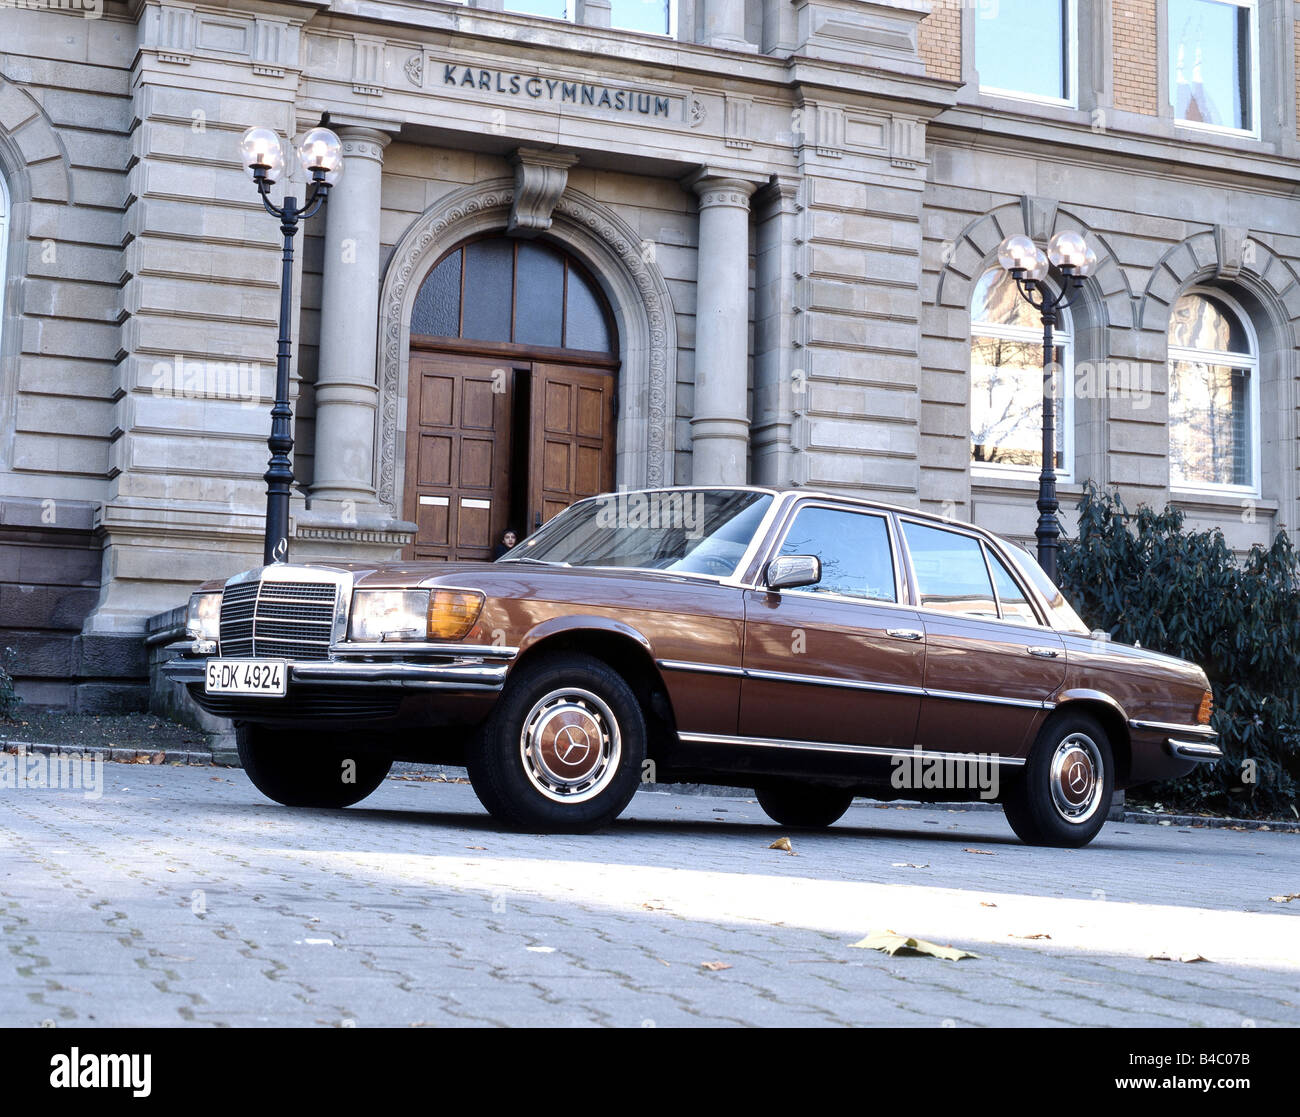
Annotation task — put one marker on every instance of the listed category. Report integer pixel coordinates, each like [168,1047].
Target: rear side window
[1015,605]
[951,575]
[853,548]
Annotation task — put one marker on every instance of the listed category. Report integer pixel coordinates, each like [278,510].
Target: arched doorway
[512,396]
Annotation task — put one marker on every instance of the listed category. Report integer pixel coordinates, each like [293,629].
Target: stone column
[724,24]
[720,424]
[346,387]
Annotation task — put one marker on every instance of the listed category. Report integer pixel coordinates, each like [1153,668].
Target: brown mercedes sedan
[813,647]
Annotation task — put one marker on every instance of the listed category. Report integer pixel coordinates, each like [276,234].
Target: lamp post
[321,156]
[1028,265]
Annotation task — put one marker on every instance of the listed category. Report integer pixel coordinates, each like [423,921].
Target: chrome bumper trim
[1200,751]
[1173,727]
[473,675]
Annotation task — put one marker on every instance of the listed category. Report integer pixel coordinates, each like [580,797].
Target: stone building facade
[616,243]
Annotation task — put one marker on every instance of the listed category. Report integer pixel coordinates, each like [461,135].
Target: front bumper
[461,675]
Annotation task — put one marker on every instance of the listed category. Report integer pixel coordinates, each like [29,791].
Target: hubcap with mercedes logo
[1077,778]
[570,745]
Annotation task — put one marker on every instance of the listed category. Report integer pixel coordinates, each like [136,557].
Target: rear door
[990,663]
[842,661]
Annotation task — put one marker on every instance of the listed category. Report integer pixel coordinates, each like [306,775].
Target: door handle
[905,634]
[1044,653]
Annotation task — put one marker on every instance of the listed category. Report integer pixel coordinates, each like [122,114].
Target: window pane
[853,548]
[1210,62]
[1007,403]
[950,571]
[437,306]
[998,302]
[1022,46]
[489,275]
[1015,605]
[640,15]
[1209,424]
[1201,322]
[539,296]
[556,9]
[584,325]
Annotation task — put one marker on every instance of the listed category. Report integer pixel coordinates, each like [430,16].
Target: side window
[853,548]
[1015,605]
[950,571]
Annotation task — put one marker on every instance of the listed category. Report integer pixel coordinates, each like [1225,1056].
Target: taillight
[1205,709]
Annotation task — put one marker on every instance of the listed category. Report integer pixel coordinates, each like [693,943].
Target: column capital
[363,143]
[722,188]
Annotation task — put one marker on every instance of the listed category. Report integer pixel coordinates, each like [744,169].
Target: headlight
[203,618]
[388,615]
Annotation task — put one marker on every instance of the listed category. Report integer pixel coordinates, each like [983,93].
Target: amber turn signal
[1205,709]
[452,613]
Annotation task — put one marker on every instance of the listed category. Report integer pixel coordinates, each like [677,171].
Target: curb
[222,759]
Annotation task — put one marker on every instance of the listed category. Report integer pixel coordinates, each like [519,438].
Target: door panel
[573,438]
[458,455]
[831,640]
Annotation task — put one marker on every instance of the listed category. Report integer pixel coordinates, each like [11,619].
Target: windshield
[1063,615]
[687,531]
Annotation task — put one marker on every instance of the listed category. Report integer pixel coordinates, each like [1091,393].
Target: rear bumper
[1201,752]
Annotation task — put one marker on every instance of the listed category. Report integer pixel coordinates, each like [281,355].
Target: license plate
[261,677]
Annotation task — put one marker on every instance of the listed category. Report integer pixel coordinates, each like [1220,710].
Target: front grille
[288,620]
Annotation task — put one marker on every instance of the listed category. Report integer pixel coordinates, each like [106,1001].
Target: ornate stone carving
[540,179]
[646,317]
[696,110]
[414,68]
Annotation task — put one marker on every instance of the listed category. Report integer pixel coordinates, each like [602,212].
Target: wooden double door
[501,443]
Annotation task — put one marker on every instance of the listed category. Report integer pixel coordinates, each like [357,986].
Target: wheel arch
[1114,720]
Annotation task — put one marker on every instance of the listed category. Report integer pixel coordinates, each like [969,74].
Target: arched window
[1213,395]
[517,291]
[1006,381]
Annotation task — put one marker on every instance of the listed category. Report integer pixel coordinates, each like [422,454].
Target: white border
[1232,360]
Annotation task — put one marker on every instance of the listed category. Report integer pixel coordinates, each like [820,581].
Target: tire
[563,749]
[308,770]
[803,805]
[1062,796]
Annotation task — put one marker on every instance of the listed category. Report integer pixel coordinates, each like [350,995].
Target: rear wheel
[302,769]
[1063,794]
[804,805]
[563,748]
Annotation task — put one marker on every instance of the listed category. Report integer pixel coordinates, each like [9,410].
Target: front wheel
[803,805]
[1062,795]
[563,749]
[308,770]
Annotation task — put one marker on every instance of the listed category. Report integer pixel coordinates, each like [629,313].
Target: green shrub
[1145,580]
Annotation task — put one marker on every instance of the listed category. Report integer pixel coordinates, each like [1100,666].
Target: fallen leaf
[986,904]
[653,905]
[1189,957]
[983,852]
[1035,935]
[892,943]
[715,966]
[1285,899]
[476,847]
[782,844]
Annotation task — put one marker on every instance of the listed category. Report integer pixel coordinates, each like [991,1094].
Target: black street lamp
[321,156]
[1028,266]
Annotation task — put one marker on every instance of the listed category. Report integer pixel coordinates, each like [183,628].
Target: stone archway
[634,287]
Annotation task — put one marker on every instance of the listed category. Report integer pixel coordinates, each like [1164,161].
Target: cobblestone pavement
[183,897]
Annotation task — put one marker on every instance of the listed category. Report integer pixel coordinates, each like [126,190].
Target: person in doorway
[508,541]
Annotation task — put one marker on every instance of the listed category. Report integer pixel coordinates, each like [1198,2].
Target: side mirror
[792,571]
